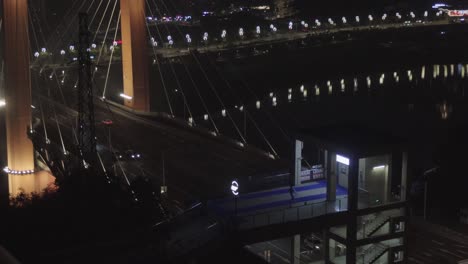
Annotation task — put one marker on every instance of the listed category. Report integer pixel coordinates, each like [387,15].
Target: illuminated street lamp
[344,20]
[2,103]
[127,97]
[258,30]
[154,43]
[223,34]
[241,32]
[273,28]
[290,25]
[358,19]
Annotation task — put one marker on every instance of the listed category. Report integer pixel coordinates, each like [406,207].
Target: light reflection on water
[445,81]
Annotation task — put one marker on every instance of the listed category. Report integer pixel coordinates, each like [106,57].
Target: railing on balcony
[291,214]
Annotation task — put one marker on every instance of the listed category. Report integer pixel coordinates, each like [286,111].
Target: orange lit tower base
[134,54]
[20,150]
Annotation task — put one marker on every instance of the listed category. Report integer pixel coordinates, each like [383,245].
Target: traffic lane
[195,163]
[275,251]
[425,246]
[186,136]
[205,163]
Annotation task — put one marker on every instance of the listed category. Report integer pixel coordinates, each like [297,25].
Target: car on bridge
[128,155]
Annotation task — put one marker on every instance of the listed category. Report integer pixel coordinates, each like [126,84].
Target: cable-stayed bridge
[192,134]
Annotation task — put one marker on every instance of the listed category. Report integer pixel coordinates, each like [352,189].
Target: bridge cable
[110,60]
[210,84]
[190,76]
[171,66]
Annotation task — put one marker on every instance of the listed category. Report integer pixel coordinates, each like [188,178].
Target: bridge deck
[277,206]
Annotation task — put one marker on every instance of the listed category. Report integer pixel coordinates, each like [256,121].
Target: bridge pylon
[134,54]
[20,151]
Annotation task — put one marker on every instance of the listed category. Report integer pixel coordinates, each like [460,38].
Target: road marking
[415,260]
[437,242]
[451,253]
[280,249]
[281,257]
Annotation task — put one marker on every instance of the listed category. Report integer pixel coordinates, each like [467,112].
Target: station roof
[352,139]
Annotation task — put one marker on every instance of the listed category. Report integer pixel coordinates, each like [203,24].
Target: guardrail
[291,214]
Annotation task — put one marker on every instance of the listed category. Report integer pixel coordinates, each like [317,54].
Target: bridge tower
[134,54]
[20,150]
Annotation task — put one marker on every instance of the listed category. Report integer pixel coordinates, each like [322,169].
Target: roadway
[433,244]
[284,36]
[239,43]
[197,164]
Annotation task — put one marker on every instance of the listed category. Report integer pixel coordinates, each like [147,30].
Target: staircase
[373,226]
[376,224]
[372,254]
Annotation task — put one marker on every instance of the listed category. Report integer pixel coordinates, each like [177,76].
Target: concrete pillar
[404,176]
[297,163]
[353,174]
[326,246]
[351,227]
[16,48]
[331,176]
[295,249]
[134,54]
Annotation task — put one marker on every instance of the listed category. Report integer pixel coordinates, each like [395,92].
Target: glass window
[374,181]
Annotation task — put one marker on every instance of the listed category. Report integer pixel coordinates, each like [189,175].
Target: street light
[2,103]
[241,32]
[126,96]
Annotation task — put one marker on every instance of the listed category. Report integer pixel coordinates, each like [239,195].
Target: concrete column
[297,163]
[351,230]
[134,54]
[353,174]
[404,175]
[331,176]
[326,246]
[16,48]
[295,249]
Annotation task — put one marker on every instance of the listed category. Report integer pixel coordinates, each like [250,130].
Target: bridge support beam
[295,257]
[295,179]
[330,167]
[134,54]
[20,151]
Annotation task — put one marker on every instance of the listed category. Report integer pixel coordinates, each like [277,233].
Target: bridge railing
[292,214]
